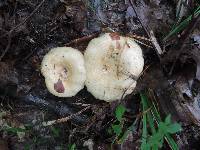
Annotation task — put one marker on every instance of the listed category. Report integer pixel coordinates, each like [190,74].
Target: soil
[30,28]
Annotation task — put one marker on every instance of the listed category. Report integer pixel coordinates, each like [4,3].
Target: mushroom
[64,71]
[113,64]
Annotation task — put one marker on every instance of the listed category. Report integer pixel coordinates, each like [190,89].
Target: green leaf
[168,138]
[15,130]
[72,147]
[173,128]
[55,131]
[27,147]
[119,112]
[168,120]
[117,129]
[162,127]
[155,139]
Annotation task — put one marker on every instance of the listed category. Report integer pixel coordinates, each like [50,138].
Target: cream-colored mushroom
[64,71]
[113,64]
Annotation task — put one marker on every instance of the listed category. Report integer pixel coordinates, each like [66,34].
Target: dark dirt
[25,37]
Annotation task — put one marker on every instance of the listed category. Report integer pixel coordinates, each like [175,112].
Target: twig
[146,30]
[142,43]
[138,37]
[82,39]
[155,43]
[81,104]
[25,20]
[65,119]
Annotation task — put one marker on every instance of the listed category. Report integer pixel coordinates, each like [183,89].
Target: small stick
[82,39]
[145,28]
[139,37]
[65,119]
[155,43]
[142,43]
[81,104]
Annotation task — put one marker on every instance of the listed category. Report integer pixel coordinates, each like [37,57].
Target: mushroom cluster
[109,68]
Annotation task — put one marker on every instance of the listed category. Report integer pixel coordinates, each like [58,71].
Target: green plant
[72,146]
[180,26]
[27,147]
[154,130]
[166,127]
[118,126]
[7,127]
[163,131]
[55,131]
[14,130]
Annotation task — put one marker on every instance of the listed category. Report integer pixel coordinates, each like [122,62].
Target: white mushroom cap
[113,64]
[64,71]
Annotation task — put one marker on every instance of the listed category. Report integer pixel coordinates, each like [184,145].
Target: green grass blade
[149,117]
[183,24]
[171,142]
[155,112]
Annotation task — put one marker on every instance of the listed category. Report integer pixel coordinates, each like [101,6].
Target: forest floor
[171,78]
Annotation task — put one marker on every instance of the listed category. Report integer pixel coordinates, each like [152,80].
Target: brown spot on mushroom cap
[114,36]
[59,86]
